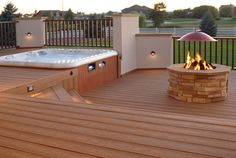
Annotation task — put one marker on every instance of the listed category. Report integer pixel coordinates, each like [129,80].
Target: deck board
[103,130]
[11,77]
[12,153]
[147,90]
[130,117]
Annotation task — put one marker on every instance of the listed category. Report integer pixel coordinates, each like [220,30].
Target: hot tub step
[62,94]
[59,93]
[76,97]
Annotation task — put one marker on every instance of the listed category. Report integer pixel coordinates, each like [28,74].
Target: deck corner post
[125,27]
[30,32]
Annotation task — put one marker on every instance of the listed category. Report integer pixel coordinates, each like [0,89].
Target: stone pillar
[30,32]
[125,27]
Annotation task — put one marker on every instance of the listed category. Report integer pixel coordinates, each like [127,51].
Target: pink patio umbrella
[197,36]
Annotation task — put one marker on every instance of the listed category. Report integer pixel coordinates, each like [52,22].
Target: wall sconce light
[153,53]
[28,34]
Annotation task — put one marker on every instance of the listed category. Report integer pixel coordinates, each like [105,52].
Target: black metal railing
[82,33]
[7,34]
[221,52]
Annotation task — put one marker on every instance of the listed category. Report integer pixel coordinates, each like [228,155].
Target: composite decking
[12,77]
[131,117]
[147,90]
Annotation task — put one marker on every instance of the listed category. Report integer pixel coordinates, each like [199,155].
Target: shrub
[208,25]
[142,21]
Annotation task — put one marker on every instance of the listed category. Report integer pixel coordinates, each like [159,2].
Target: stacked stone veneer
[203,86]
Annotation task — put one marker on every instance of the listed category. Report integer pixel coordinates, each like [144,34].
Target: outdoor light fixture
[30,88]
[29,34]
[152,53]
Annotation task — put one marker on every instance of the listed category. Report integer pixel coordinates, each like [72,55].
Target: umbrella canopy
[196,36]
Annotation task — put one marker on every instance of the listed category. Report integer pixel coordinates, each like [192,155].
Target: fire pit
[197,81]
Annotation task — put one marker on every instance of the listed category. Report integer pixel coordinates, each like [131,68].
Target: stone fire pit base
[204,86]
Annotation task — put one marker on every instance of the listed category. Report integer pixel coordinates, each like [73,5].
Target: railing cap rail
[110,18]
[32,18]
[7,22]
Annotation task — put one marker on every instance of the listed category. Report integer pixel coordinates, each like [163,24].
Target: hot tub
[56,58]
[94,67]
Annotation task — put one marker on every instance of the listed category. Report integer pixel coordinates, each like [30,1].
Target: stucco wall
[160,43]
[125,28]
[35,27]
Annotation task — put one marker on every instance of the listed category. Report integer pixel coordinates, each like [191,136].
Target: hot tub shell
[56,58]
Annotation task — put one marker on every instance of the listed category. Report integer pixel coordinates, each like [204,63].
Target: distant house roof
[48,13]
[143,10]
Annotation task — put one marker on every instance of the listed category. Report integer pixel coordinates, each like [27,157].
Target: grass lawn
[216,52]
[181,23]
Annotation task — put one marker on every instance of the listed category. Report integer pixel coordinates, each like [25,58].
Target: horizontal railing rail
[82,33]
[221,31]
[7,34]
[221,52]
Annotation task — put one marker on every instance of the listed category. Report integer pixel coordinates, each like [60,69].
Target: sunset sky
[99,6]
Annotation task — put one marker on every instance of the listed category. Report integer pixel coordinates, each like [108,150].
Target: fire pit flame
[197,63]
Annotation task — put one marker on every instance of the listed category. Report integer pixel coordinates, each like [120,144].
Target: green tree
[35,13]
[8,12]
[198,12]
[157,18]
[158,14]
[226,10]
[51,16]
[208,25]
[142,21]
[93,16]
[69,15]
[182,13]
[103,16]
[159,6]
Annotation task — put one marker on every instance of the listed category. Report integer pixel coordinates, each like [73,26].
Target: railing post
[1,36]
[125,28]
[174,51]
[233,53]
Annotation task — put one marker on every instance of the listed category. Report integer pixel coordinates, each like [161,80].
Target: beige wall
[160,43]
[125,28]
[35,27]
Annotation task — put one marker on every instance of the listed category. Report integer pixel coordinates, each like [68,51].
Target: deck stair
[58,93]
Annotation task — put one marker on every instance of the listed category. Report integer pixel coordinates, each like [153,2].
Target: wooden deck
[130,117]
[11,77]
[147,91]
